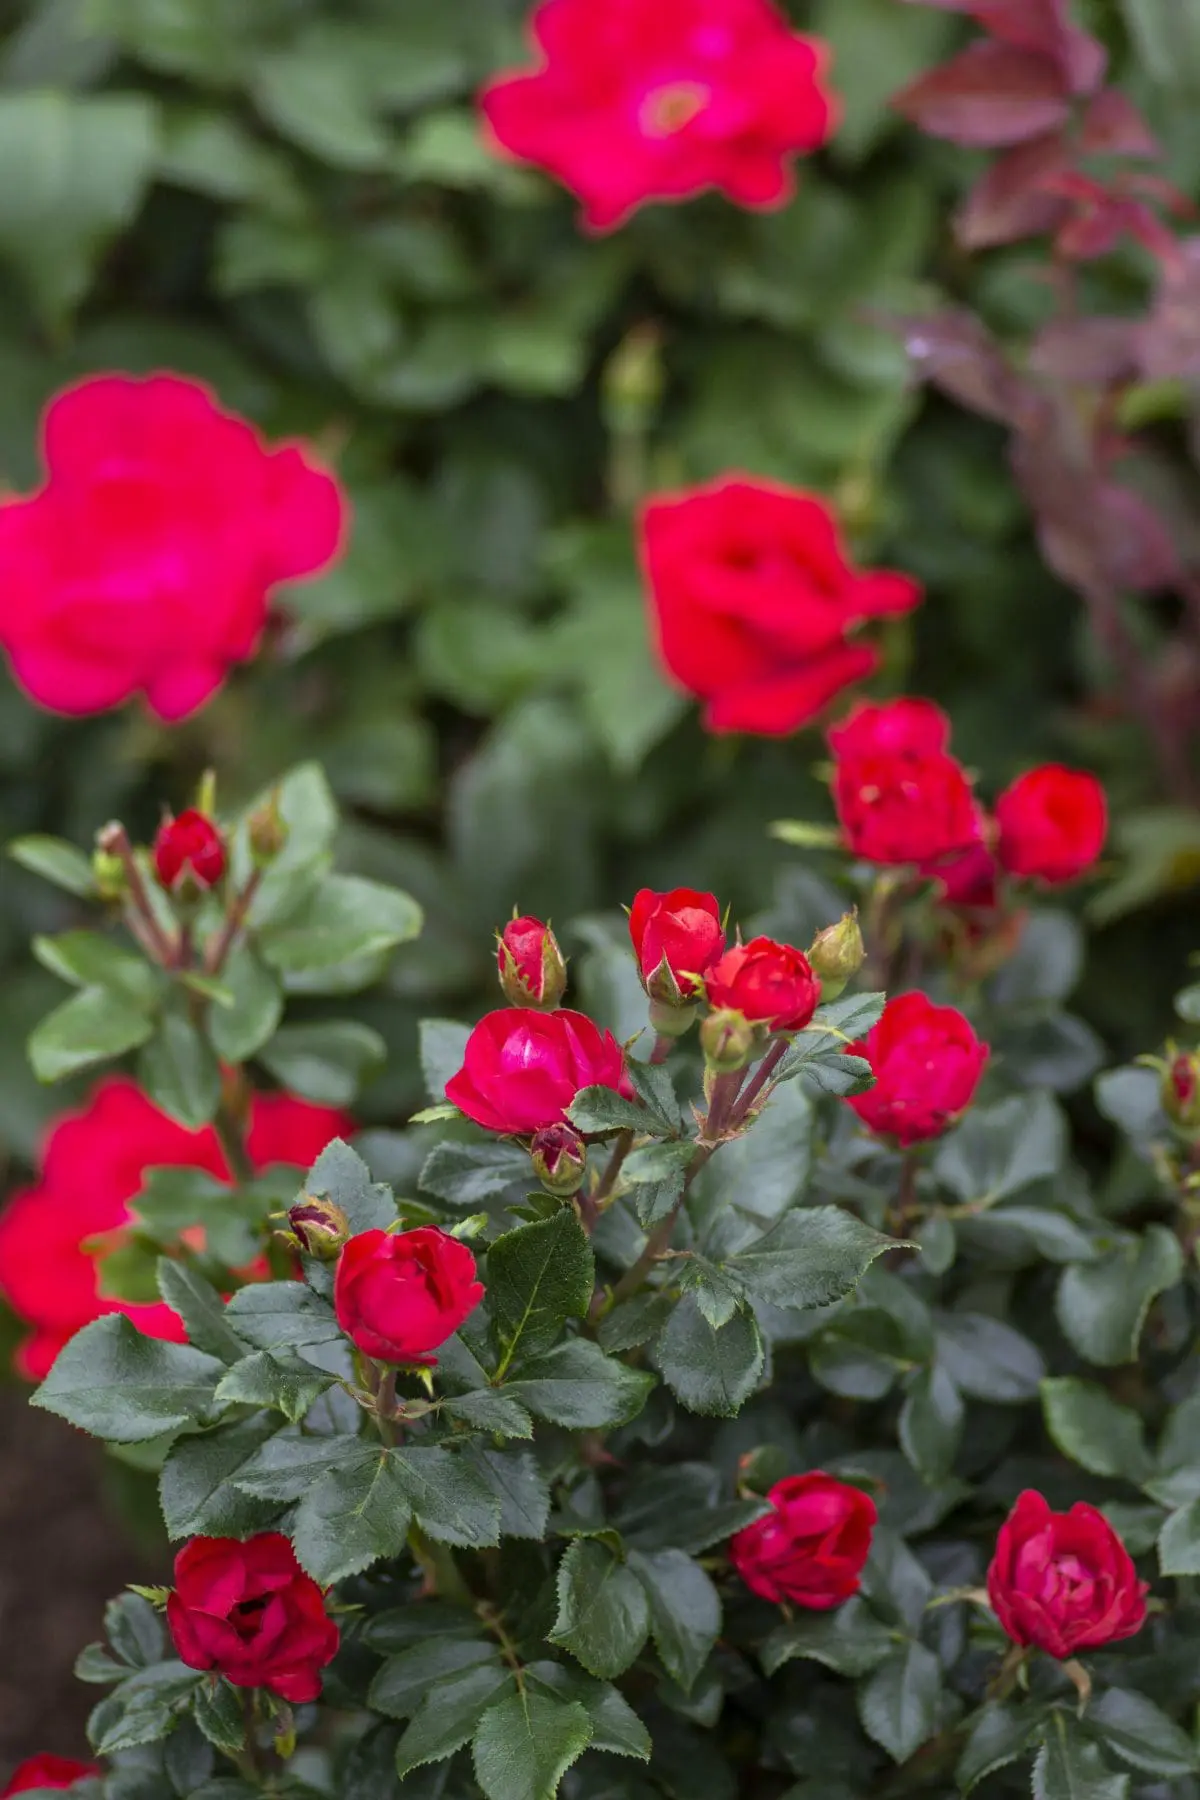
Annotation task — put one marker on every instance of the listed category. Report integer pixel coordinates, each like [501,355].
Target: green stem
[235,919]
[385,1405]
[141,917]
[229,1136]
[758,1082]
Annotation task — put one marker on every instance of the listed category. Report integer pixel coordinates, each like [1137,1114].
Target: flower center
[666,110]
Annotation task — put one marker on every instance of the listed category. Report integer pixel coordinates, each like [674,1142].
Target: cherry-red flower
[675,936]
[1053,823]
[189,845]
[144,563]
[895,728]
[249,1612]
[522,1069]
[92,1166]
[927,1063]
[638,100]
[811,1548]
[1063,1581]
[768,983]
[47,1771]
[900,796]
[755,602]
[398,1295]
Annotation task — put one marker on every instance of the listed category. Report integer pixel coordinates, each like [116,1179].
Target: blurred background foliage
[291,200]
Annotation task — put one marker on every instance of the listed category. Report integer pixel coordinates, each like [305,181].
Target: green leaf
[1102,1305]
[402,1626]
[516,1480]
[322,102]
[525,1745]
[815,1255]
[538,1276]
[685,1611]
[998,1737]
[656,1173]
[1094,1430]
[86,959]
[635,1321]
[489,1411]
[196,1490]
[134,1630]
[269,1314]
[344,920]
[452,1501]
[274,1379]
[988,1360]
[1179,1542]
[448,1716]
[603,1613]
[357,1512]
[123,1387]
[898,1702]
[931,1422]
[577,1386]
[403,1681]
[443,1047]
[218,1711]
[710,1371]
[93,1026]
[804,835]
[597,1109]
[1069,1768]
[287,1467]
[57,862]
[616,1728]
[239,1031]
[328,1063]
[1140,1734]
[849,1640]
[469,1174]
[998,1150]
[823,1060]
[340,1174]
[200,1307]
[180,1072]
[143,1709]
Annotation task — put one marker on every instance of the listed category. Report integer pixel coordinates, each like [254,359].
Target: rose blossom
[189,846]
[754,601]
[399,1295]
[1063,1582]
[1052,823]
[249,1612]
[522,1069]
[637,100]
[810,1550]
[927,1063]
[47,1771]
[92,1166]
[675,936]
[900,796]
[532,969]
[895,728]
[144,563]
[768,983]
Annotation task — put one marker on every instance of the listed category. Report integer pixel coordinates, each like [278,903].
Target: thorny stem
[385,1406]
[906,1192]
[249,1756]
[758,1082]
[235,918]
[140,914]
[663,1047]
[494,1620]
[620,1150]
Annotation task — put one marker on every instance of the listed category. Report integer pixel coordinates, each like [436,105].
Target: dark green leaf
[470,1174]
[274,1379]
[712,1372]
[1094,1430]
[403,1681]
[931,1422]
[93,1026]
[126,1388]
[443,1045]
[218,1711]
[576,1385]
[134,1630]
[538,1276]
[451,1499]
[340,1174]
[517,1482]
[998,1150]
[526,1744]
[200,1307]
[1102,1305]
[998,1737]
[616,1728]
[898,1702]
[685,1610]
[1136,1731]
[195,1486]
[603,1614]
[850,1640]
[1069,1768]
[448,1716]
[634,1322]
[357,1512]
[180,1072]
[988,1360]
[1179,1542]
[815,1255]
[269,1314]
[489,1411]
[327,1063]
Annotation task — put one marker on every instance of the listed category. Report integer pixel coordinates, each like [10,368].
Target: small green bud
[729,1040]
[319,1227]
[559,1159]
[268,832]
[837,954]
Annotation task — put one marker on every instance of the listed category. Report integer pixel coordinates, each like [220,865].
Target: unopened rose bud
[532,968]
[267,831]
[108,872]
[1181,1090]
[189,852]
[728,1041]
[837,954]
[559,1159]
[319,1226]
[634,379]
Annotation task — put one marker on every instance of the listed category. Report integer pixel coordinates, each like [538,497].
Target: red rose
[658,99]
[905,806]
[967,880]
[676,937]
[46,1771]
[144,563]
[249,1612]
[190,846]
[532,969]
[522,1069]
[899,727]
[92,1166]
[398,1295]
[754,601]
[927,1064]
[811,1549]
[1063,1582]
[1053,823]
[768,983]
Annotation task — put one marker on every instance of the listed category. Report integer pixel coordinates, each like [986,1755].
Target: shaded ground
[61,1557]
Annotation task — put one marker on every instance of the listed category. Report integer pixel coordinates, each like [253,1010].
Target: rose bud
[267,831]
[811,1548]
[250,1613]
[189,850]
[927,1063]
[532,968]
[46,1771]
[676,937]
[768,983]
[522,1069]
[729,1040]
[399,1295]
[1053,823]
[1181,1090]
[559,1159]
[837,954]
[319,1227]
[1063,1582]
[905,808]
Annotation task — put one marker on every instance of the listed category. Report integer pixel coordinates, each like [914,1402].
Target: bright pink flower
[927,1063]
[755,601]
[248,1611]
[399,1295]
[93,1164]
[897,728]
[144,563]
[1063,1581]
[769,983]
[522,1068]
[189,846]
[1053,822]
[638,100]
[810,1549]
